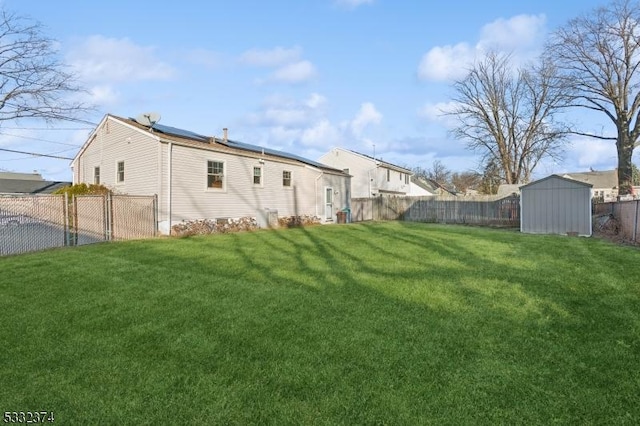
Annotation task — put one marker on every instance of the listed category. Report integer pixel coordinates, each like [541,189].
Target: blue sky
[300,76]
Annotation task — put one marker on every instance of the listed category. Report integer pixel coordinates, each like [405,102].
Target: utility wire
[38,139]
[35,154]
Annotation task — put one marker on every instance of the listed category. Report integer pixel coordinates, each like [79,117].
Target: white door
[328,203]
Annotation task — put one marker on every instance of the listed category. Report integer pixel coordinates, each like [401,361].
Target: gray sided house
[556,205]
[199,177]
[370,176]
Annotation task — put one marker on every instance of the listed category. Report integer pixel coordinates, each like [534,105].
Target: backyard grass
[375,323]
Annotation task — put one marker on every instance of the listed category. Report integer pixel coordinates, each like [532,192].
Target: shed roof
[568,180]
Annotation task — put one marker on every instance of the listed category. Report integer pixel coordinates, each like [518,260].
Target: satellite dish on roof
[148,118]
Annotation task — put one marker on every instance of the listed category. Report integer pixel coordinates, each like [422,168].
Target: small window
[120,174]
[388,175]
[400,177]
[96,175]
[257,175]
[406,179]
[215,174]
[286,178]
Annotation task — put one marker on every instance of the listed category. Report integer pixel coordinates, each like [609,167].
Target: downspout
[316,188]
[170,148]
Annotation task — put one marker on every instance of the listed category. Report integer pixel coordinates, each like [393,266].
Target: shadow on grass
[367,323]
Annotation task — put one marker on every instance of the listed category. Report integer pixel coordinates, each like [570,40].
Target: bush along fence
[37,222]
[487,211]
[621,218]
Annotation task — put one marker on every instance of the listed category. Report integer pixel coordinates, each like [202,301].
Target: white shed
[556,205]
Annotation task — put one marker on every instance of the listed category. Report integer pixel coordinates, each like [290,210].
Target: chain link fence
[38,222]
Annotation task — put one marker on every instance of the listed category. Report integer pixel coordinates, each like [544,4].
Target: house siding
[177,173]
[114,142]
[191,199]
[556,206]
[369,176]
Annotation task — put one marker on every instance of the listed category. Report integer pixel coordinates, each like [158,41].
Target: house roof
[430,185]
[189,138]
[380,162]
[509,188]
[599,179]
[26,183]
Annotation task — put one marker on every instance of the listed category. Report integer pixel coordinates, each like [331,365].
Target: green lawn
[386,323]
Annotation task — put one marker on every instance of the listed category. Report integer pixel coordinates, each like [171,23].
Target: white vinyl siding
[369,177]
[112,144]
[147,172]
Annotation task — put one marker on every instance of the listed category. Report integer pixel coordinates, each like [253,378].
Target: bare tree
[439,173]
[464,181]
[598,55]
[33,82]
[507,114]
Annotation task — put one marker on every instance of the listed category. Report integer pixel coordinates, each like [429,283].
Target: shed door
[328,203]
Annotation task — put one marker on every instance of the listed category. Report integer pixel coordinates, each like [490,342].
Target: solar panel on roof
[255,148]
[169,130]
[179,132]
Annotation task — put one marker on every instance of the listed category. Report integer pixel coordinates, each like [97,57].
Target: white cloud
[368,114]
[588,152]
[105,59]
[297,72]
[275,57]
[103,95]
[438,113]
[519,35]
[305,122]
[352,4]
[321,134]
[446,62]
[316,101]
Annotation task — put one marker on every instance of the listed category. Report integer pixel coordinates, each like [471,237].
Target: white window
[120,172]
[96,175]
[388,175]
[286,178]
[257,175]
[215,174]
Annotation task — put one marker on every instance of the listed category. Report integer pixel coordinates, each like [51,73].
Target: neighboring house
[420,188]
[200,177]
[370,176]
[605,183]
[431,186]
[507,189]
[27,183]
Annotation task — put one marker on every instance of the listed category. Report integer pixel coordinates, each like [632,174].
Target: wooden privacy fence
[463,210]
[627,213]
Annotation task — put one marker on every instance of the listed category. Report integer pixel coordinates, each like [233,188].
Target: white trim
[224,176]
[124,172]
